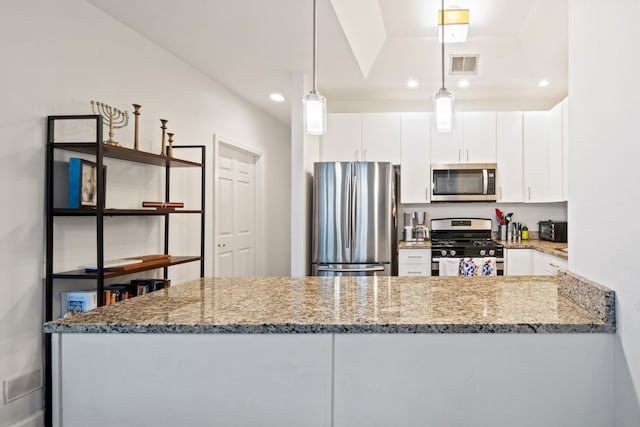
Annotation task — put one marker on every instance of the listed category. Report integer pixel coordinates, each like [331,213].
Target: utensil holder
[503,232]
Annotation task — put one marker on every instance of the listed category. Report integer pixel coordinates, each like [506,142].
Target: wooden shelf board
[132,268]
[123,153]
[120,212]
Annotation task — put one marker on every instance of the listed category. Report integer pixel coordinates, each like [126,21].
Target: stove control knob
[452,252]
[443,252]
[482,252]
[492,252]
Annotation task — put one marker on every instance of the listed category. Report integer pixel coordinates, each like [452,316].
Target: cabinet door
[509,156]
[381,138]
[548,265]
[343,140]
[555,153]
[536,156]
[415,158]
[446,147]
[479,132]
[519,262]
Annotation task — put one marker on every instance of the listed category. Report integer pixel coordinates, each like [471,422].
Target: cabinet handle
[426,193]
[415,257]
[356,157]
[414,272]
[459,155]
[500,191]
[467,154]
[553,265]
[529,192]
[364,152]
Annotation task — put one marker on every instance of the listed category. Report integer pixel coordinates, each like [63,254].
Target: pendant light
[314,105]
[443,99]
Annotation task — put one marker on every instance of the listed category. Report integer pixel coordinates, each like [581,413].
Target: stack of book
[122,292]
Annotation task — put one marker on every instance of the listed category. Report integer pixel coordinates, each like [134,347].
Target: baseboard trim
[35,420]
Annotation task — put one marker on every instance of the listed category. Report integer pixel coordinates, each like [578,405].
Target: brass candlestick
[170,143]
[113,117]
[164,128]
[136,113]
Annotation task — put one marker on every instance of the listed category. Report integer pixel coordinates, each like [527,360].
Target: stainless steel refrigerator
[354,219]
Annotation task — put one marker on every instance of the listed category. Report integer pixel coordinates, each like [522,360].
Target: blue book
[75,184]
[78,301]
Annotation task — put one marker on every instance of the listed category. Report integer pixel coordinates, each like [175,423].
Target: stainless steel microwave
[463,182]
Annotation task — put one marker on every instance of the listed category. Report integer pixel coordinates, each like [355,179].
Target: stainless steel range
[463,238]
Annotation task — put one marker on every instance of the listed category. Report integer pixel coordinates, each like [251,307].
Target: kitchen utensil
[507,218]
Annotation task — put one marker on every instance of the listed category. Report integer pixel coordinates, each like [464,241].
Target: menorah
[113,117]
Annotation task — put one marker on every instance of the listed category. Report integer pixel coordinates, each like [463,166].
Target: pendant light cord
[442,36]
[314,46]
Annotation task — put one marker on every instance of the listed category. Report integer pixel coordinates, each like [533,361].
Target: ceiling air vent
[464,64]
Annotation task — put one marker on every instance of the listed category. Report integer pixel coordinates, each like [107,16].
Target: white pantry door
[235,213]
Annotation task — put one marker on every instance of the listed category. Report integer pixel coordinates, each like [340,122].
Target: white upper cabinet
[509,156]
[536,156]
[555,154]
[545,155]
[361,137]
[381,137]
[472,140]
[343,140]
[414,158]
[479,137]
[446,147]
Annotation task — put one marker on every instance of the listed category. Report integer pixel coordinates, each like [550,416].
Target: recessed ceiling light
[463,83]
[412,83]
[277,97]
[543,83]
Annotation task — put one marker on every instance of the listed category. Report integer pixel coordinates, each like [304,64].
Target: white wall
[604,173]
[56,57]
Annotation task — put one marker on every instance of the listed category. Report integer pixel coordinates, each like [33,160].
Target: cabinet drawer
[414,256]
[414,270]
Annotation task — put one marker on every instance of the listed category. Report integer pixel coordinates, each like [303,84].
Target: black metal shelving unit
[101,151]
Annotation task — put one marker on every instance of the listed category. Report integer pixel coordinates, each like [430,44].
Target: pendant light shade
[443,99]
[314,110]
[443,106]
[314,105]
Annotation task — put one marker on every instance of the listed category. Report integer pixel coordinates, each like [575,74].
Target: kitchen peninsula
[340,352]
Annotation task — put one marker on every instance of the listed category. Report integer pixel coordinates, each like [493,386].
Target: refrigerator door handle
[351,270]
[354,208]
[348,217]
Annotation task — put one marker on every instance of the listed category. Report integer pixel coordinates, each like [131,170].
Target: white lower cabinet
[547,264]
[518,262]
[530,262]
[414,262]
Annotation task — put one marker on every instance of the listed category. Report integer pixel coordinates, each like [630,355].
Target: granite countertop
[552,248]
[539,245]
[565,304]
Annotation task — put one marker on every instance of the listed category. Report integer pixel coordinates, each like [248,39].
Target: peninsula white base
[298,380]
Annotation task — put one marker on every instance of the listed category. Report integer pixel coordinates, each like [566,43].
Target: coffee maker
[415,227]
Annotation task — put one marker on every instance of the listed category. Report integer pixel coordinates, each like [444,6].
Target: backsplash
[526,213]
